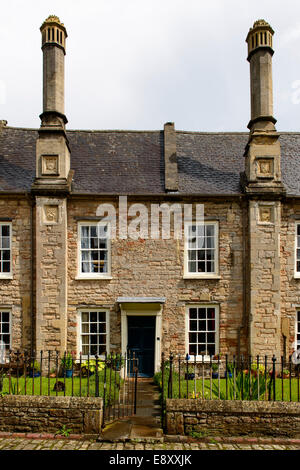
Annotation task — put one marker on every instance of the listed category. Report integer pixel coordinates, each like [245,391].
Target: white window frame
[7,310]
[296,273]
[199,357]
[90,276]
[7,275]
[297,329]
[79,322]
[203,275]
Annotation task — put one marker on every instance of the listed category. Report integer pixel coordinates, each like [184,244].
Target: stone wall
[233,418]
[290,292]
[15,292]
[154,268]
[20,413]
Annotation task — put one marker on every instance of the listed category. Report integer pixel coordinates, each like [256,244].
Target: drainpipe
[245,277]
[32,273]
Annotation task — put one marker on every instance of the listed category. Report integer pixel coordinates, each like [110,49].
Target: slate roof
[132,162]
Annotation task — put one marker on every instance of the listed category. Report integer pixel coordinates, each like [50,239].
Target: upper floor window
[5,250]
[297,257]
[201,250]
[94,250]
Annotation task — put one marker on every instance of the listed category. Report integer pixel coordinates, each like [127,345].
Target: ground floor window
[202,330]
[5,330]
[94,332]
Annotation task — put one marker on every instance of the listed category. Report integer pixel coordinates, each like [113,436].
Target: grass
[291,389]
[73,387]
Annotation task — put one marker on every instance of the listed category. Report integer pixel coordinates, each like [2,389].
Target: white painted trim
[296,328]
[213,275]
[126,311]
[9,311]
[296,273]
[79,330]
[217,320]
[8,275]
[93,276]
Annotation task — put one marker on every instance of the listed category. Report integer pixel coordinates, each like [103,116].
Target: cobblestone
[19,443]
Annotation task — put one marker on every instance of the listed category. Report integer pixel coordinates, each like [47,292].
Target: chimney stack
[260,52]
[54,36]
[53,174]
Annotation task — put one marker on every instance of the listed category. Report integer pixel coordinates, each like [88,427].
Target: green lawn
[73,387]
[285,390]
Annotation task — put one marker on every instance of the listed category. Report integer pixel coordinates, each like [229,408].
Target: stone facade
[237,178]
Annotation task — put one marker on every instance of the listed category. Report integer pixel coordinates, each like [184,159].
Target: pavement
[219,444]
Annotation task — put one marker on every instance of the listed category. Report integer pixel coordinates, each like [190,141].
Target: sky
[136,64]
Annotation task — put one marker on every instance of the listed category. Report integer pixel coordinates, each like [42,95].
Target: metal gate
[120,387]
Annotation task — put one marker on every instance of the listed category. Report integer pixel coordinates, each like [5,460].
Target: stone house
[231,286]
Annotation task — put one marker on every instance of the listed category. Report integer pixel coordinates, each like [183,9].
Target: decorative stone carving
[50,165]
[265,167]
[51,214]
[266,214]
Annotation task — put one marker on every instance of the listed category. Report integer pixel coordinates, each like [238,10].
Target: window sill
[6,276]
[297,276]
[202,276]
[92,278]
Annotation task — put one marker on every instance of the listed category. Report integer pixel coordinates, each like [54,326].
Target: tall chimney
[260,52]
[54,36]
[52,148]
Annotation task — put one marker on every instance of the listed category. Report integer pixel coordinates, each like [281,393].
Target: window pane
[102,316]
[193,313]
[93,316]
[193,337]
[4,316]
[5,230]
[202,313]
[192,266]
[210,230]
[6,267]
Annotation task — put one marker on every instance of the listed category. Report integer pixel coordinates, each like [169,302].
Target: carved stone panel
[51,214]
[266,214]
[50,165]
[265,167]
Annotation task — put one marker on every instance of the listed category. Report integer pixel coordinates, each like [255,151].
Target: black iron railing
[229,378]
[112,377]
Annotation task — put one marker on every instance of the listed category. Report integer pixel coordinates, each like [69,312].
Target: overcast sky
[136,64]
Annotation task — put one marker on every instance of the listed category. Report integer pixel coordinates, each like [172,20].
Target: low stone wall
[20,413]
[233,418]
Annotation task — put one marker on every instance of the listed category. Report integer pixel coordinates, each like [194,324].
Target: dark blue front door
[141,340]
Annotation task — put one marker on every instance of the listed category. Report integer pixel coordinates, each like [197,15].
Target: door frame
[140,309]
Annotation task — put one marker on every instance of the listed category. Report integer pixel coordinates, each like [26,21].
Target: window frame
[296,273]
[90,275]
[7,275]
[7,310]
[202,357]
[297,330]
[203,275]
[107,322]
